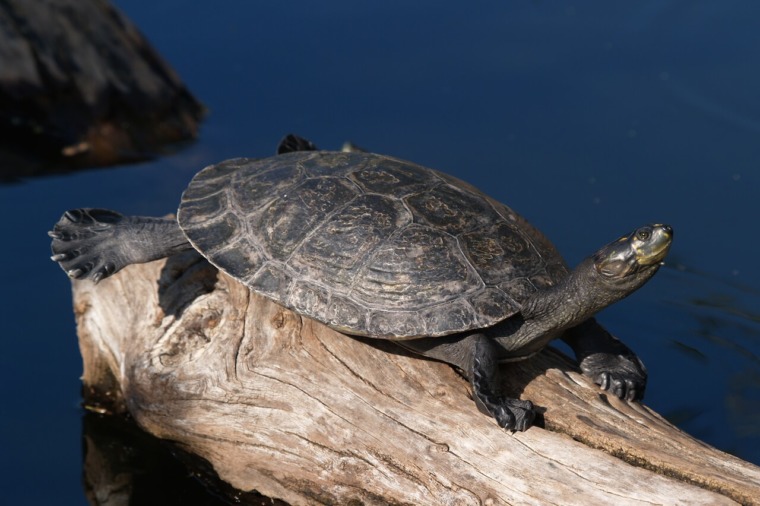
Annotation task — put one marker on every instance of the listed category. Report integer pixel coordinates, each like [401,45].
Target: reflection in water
[126,466]
[743,401]
[690,351]
[725,334]
[681,416]
[720,308]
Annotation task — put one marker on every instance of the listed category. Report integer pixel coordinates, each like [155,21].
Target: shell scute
[499,251]
[287,221]
[417,267]
[359,228]
[387,176]
[450,209]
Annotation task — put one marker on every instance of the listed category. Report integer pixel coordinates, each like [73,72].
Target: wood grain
[288,407]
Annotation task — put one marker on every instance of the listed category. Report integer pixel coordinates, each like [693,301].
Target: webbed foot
[82,243]
[96,243]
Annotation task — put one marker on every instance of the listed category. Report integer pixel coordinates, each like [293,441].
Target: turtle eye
[643,234]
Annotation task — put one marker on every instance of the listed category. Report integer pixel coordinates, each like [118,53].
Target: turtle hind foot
[86,243]
[291,143]
[96,243]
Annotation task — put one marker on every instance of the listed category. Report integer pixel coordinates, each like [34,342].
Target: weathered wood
[288,407]
[80,86]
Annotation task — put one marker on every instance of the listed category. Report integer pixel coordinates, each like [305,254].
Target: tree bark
[286,406]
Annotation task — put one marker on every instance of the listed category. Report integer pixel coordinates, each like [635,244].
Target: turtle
[379,247]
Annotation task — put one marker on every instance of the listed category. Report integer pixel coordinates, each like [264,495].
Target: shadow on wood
[288,407]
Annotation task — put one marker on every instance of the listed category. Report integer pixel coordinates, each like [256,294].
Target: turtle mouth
[652,243]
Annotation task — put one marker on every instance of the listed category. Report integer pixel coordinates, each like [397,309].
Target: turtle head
[609,275]
[629,262]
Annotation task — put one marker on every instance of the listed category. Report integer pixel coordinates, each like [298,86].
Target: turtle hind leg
[96,243]
[511,414]
[292,142]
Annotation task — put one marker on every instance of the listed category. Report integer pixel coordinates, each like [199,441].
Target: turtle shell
[367,244]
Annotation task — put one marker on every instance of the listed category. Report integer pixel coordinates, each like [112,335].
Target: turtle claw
[73,215]
[75,273]
[603,380]
[105,271]
[89,216]
[622,388]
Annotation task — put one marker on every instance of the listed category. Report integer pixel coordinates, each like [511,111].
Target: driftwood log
[286,406]
[80,86]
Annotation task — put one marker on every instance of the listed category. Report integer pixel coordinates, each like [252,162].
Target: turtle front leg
[96,243]
[605,359]
[476,357]
[511,414]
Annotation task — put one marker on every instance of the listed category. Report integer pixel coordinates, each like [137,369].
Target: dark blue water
[589,119]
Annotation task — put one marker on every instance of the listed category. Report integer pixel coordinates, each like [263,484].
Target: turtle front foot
[624,376]
[84,242]
[607,360]
[510,414]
